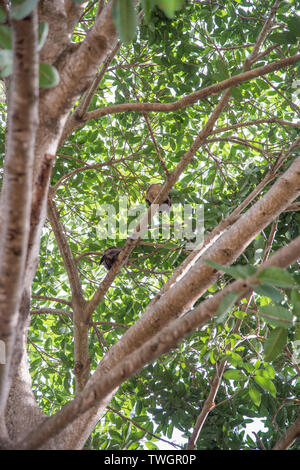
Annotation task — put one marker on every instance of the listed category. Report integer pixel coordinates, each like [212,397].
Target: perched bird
[110,256]
[151,194]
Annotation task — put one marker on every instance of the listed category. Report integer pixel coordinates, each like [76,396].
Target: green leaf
[295,299]
[294,25]
[266,384]
[275,276]
[276,315]
[283,38]
[22,8]
[226,304]
[212,357]
[115,435]
[221,70]
[43,33]
[234,374]
[5,37]
[125,19]
[243,272]
[255,395]
[269,370]
[170,6]
[238,272]
[6,62]
[3,15]
[170,430]
[49,76]
[236,93]
[275,343]
[234,358]
[297,334]
[240,314]
[148,6]
[6,57]
[151,446]
[269,291]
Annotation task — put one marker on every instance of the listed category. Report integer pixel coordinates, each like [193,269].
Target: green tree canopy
[203,98]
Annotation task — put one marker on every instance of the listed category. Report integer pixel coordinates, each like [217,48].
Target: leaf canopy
[173,53]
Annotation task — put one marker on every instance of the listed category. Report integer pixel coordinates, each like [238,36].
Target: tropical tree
[191,330]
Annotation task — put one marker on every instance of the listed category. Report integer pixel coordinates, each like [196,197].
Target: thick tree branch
[73,12]
[78,70]
[153,348]
[231,243]
[21,384]
[17,185]
[143,225]
[81,327]
[186,100]
[289,436]
[58,38]
[88,96]
[182,296]
[37,216]
[229,220]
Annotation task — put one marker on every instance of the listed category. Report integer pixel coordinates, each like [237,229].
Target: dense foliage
[120,155]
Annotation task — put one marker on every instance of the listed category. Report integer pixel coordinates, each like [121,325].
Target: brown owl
[151,194]
[110,256]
